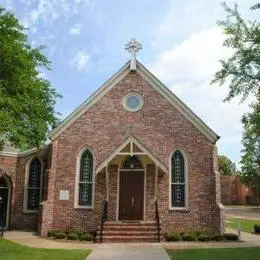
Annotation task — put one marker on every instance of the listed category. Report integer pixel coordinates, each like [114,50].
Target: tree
[251,147]
[226,166]
[26,99]
[242,70]
[242,73]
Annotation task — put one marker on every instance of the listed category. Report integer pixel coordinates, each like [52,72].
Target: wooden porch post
[156,183]
[107,183]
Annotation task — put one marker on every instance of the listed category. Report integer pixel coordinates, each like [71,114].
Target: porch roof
[135,148]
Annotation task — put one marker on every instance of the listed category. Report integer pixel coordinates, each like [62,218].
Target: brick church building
[133,153]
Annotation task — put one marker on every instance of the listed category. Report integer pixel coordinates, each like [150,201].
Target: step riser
[119,229]
[129,236]
[123,233]
[118,232]
[130,224]
[128,240]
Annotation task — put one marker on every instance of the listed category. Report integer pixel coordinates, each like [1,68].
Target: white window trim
[141,101]
[26,180]
[186,183]
[76,201]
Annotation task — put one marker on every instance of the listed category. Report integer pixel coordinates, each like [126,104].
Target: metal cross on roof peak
[133,46]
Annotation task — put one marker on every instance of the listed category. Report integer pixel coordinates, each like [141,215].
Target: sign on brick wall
[64,195]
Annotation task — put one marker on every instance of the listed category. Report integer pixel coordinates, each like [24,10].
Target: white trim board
[25,153]
[98,94]
[157,84]
[76,189]
[128,140]
[26,180]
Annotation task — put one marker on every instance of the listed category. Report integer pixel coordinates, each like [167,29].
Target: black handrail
[157,219]
[103,220]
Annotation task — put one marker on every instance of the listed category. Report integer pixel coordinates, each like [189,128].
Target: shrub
[203,238]
[79,232]
[217,238]
[60,235]
[231,237]
[257,229]
[170,236]
[51,234]
[198,233]
[73,236]
[188,237]
[86,237]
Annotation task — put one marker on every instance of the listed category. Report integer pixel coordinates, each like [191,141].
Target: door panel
[131,195]
[3,208]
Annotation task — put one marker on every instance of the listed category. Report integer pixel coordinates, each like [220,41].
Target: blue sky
[181,45]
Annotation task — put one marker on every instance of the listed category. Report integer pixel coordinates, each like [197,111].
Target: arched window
[33,185]
[132,162]
[85,180]
[178,181]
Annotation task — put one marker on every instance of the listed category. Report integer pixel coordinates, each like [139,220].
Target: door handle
[133,201]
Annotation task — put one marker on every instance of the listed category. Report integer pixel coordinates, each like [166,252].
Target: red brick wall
[15,167]
[233,191]
[150,192]
[8,167]
[112,202]
[162,129]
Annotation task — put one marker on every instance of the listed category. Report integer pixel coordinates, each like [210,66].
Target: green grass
[246,225]
[251,253]
[13,251]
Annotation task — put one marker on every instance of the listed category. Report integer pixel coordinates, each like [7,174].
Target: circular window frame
[140,105]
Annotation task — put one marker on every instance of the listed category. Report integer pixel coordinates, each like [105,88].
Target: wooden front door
[131,195]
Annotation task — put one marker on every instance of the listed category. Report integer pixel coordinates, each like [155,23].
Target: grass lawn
[252,253]
[246,225]
[13,251]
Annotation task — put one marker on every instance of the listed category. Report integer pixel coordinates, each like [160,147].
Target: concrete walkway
[31,240]
[248,238]
[125,251]
[129,252]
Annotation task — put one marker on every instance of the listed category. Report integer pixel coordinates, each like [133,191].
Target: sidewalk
[248,238]
[31,240]
[127,251]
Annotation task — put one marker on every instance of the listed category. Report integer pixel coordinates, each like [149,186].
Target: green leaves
[242,73]
[226,166]
[250,160]
[26,100]
[242,70]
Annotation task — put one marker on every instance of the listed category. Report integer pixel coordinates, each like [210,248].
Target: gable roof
[155,83]
[145,151]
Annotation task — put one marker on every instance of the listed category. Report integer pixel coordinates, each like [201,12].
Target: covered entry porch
[130,210]
[132,174]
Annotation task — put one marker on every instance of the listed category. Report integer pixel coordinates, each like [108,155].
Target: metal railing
[103,220]
[157,219]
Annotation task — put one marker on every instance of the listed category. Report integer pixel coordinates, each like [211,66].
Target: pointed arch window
[33,185]
[85,180]
[132,162]
[178,181]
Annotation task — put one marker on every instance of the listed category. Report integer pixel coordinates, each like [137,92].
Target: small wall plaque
[64,195]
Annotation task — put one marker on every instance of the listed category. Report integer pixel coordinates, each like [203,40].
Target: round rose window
[133,102]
